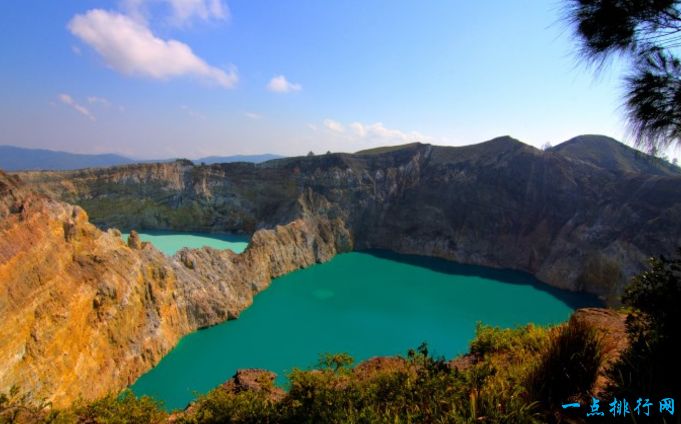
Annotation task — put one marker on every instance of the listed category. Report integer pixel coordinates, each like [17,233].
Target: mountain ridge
[14,158]
[606,152]
[622,158]
[578,224]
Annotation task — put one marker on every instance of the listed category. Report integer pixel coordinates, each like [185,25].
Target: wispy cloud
[94,100]
[334,126]
[359,129]
[103,102]
[69,101]
[377,132]
[131,48]
[183,10]
[180,12]
[280,84]
[252,115]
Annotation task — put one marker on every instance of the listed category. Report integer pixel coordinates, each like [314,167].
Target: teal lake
[364,303]
[170,242]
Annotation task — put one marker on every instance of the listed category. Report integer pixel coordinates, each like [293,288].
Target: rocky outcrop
[218,284]
[134,241]
[256,380]
[584,215]
[610,326]
[85,314]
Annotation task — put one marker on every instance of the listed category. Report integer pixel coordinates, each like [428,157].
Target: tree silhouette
[647,33]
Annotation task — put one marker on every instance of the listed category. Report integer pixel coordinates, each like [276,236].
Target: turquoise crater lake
[170,242]
[364,303]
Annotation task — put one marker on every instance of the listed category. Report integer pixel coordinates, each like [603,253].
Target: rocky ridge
[583,215]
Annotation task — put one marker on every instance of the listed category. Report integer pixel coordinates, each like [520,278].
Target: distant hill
[14,158]
[21,159]
[208,160]
[608,153]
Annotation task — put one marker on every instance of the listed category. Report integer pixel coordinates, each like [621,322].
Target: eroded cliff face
[84,314]
[570,216]
[175,195]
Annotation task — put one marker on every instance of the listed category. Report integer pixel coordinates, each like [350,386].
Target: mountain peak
[607,153]
[592,140]
[504,139]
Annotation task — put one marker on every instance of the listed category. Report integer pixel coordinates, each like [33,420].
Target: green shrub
[123,409]
[220,406]
[335,361]
[490,339]
[569,366]
[650,366]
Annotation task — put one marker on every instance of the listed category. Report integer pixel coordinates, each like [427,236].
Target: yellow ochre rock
[84,314]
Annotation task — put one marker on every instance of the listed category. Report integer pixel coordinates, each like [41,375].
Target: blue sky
[161,78]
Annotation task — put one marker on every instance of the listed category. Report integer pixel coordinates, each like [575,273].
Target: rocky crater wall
[572,222]
[84,314]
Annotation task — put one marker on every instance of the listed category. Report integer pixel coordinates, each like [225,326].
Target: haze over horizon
[152,79]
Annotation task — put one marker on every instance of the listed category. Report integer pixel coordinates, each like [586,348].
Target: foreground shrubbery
[510,376]
[650,367]
[417,388]
[569,367]
[122,409]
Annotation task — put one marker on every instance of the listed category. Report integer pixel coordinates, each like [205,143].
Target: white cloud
[132,49]
[252,115]
[358,128]
[280,84]
[203,9]
[94,100]
[375,132]
[69,101]
[379,131]
[104,102]
[181,12]
[334,126]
